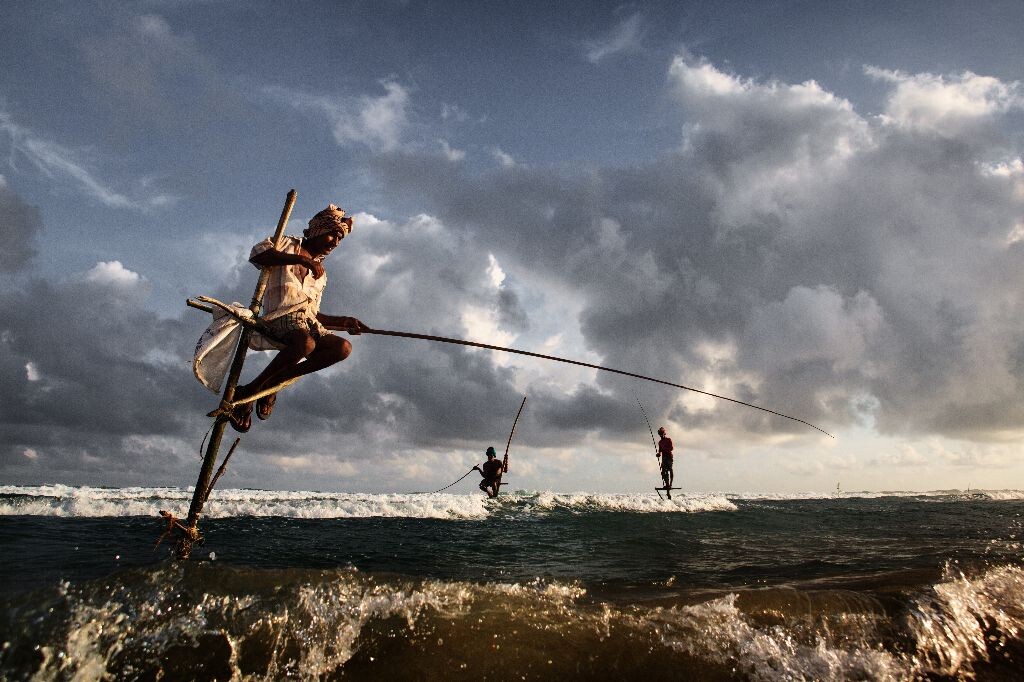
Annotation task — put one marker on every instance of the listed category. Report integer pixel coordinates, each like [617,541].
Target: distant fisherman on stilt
[291,310]
[491,472]
[664,454]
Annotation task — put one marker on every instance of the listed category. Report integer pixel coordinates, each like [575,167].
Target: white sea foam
[310,624]
[954,494]
[950,626]
[316,624]
[718,630]
[70,501]
[633,502]
[84,501]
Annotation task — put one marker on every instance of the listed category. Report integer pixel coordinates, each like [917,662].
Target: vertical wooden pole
[191,534]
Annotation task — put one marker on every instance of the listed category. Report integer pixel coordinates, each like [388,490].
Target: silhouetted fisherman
[664,455]
[491,472]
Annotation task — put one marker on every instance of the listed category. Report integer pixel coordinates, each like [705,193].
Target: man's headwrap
[331,219]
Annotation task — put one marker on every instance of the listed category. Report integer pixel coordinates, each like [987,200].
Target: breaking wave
[938,495]
[84,501]
[204,621]
[633,502]
[69,501]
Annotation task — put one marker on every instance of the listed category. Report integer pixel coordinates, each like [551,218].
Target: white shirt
[291,288]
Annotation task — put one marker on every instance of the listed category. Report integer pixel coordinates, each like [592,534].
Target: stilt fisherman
[291,307]
[491,472]
[664,455]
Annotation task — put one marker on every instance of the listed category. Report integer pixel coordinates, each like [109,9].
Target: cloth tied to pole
[216,346]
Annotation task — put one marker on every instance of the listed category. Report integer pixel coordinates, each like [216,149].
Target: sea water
[532,585]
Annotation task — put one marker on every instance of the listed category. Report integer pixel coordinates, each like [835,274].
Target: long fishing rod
[248,322]
[646,420]
[504,463]
[475,344]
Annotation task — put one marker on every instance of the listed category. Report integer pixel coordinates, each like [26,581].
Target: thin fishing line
[646,420]
[450,484]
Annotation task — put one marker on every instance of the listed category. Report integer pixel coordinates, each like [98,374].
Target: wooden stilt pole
[191,533]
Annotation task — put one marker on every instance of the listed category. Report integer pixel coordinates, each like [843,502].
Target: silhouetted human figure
[664,455]
[491,472]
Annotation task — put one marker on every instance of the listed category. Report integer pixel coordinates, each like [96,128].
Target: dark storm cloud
[801,255]
[19,225]
[511,314]
[792,253]
[89,376]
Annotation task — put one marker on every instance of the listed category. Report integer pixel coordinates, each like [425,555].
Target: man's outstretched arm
[342,323]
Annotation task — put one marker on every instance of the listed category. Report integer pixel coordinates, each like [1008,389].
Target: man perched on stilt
[664,455]
[491,472]
[291,311]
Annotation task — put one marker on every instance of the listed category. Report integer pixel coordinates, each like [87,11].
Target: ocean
[529,586]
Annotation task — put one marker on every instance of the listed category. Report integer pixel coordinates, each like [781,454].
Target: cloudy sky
[815,209]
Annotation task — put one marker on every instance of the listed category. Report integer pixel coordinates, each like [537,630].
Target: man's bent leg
[323,352]
[298,345]
[329,350]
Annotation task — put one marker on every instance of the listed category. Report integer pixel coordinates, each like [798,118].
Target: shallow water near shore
[534,585]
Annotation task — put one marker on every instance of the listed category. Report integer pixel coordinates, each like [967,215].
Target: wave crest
[202,620]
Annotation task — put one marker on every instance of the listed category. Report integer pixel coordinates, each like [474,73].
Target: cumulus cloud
[815,325]
[945,104]
[791,252]
[851,267]
[377,122]
[114,274]
[81,405]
